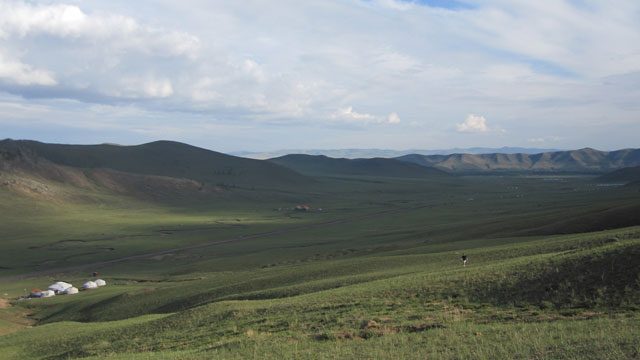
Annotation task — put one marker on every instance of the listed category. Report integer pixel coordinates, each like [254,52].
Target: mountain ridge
[162,168]
[324,165]
[385,153]
[581,160]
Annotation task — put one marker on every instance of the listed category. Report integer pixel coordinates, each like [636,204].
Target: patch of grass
[384,286]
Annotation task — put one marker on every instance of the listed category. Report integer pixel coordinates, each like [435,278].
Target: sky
[259,75]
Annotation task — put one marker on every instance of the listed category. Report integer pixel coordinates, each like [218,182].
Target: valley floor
[371,276]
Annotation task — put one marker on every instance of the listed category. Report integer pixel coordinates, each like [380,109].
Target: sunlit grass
[390,286]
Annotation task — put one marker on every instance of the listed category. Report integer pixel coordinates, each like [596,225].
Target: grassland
[553,272]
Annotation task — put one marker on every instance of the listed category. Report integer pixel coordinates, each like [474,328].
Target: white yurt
[71,290]
[59,287]
[48,293]
[100,282]
[89,285]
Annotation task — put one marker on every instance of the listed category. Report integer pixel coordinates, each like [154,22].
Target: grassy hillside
[371,271]
[326,166]
[622,176]
[348,217]
[576,294]
[160,159]
[583,160]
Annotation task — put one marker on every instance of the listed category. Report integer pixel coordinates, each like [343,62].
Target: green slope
[622,176]
[326,166]
[386,286]
[583,160]
[535,299]
[160,158]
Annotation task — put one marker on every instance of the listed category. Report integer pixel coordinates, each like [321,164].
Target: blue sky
[264,75]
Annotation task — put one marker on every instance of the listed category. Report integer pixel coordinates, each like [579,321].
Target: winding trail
[99,264]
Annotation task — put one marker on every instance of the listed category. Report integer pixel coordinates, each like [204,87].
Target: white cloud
[350,116]
[509,73]
[392,61]
[254,70]
[16,72]
[394,4]
[203,90]
[158,88]
[295,63]
[143,87]
[545,139]
[561,33]
[117,31]
[473,124]
[348,113]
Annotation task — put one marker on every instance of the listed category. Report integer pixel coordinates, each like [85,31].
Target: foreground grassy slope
[41,234]
[44,235]
[381,306]
[374,274]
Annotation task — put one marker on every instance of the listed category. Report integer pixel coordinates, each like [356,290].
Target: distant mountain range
[172,170]
[380,153]
[583,160]
[323,165]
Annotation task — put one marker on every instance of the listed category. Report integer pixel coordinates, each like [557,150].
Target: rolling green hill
[583,160]
[537,298]
[154,167]
[372,271]
[323,165]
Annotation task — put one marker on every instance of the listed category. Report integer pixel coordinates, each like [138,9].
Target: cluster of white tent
[61,287]
[93,284]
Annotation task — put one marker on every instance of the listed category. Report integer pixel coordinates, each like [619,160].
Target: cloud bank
[294,68]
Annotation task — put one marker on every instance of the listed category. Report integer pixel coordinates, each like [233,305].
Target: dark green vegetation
[583,160]
[158,160]
[622,176]
[322,165]
[553,271]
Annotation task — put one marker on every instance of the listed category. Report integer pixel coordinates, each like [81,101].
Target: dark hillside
[583,160]
[323,165]
[36,177]
[581,279]
[161,158]
[622,176]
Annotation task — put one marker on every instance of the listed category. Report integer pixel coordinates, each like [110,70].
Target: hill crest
[385,153]
[324,165]
[582,160]
[162,165]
